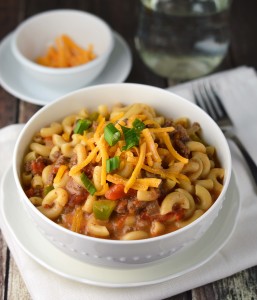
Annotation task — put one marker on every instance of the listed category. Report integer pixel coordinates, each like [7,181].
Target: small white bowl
[116,252]
[33,37]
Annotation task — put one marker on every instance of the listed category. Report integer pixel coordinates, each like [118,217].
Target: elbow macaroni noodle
[163,182]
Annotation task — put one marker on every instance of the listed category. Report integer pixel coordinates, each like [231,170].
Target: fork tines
[207,98]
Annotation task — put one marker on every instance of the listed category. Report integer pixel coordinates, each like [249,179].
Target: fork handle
[251,164]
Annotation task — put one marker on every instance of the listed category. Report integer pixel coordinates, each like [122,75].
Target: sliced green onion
[88,184]
[102,209]
[111,134]
[138,125]
[112,164]
[82,125]
[131,137]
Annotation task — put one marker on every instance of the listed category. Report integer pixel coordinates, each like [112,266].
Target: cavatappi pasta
[123,174]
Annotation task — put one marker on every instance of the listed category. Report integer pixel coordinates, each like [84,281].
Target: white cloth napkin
[238,89]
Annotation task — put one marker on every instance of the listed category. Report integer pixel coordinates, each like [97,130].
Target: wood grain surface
[122,17]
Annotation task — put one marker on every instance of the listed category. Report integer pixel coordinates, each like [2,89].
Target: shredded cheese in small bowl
[66,53]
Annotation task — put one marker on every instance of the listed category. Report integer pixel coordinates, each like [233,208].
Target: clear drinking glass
[183,39]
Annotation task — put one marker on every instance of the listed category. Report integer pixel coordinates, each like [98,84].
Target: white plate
[42,251]
[14,80]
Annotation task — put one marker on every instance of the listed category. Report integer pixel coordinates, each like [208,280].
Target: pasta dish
[124,174]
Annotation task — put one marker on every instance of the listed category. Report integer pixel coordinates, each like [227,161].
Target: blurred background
[122,16]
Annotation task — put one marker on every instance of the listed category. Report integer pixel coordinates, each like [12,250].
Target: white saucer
[42,251]
[14,80]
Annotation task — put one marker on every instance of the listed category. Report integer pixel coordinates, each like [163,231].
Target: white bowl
[33,37]
[115,252]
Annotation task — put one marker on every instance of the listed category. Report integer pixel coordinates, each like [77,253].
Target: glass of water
[183,39]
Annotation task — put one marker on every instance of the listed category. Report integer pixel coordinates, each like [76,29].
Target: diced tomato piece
[77,199]
[115,192]
[29,192]
[37,167]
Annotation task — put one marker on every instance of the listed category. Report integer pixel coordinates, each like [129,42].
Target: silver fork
[206,98]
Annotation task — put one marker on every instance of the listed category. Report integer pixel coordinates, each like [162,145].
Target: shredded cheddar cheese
[117,117]
[172,150]
[162,172]
[149,159]
[103,190]
[148,156]
[78,167]
[150,144]
[137,169]
[77,219]
[66,54]
[60,173]
[139,184]
[99,129]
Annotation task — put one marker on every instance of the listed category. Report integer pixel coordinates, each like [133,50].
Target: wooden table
[122,17]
